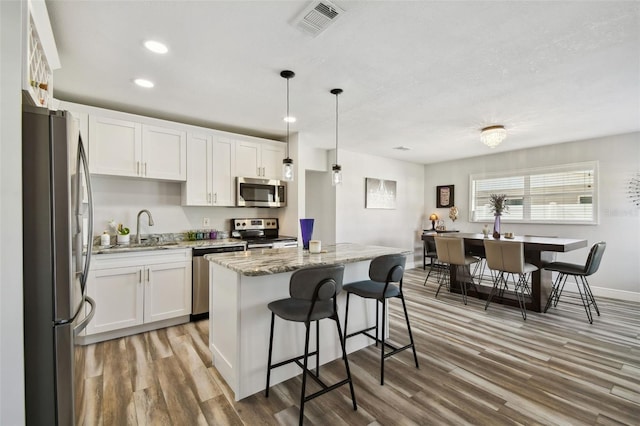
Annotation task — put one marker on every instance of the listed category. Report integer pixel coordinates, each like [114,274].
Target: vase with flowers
[498,205]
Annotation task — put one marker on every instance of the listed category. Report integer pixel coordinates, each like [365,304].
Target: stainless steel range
[261,233]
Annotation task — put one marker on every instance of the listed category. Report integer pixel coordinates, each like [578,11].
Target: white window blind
[558,194]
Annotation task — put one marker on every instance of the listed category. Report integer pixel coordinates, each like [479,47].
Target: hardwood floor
[476,367]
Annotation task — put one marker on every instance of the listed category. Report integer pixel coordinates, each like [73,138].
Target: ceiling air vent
[317,17]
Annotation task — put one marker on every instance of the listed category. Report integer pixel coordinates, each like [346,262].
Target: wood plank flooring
[476,367]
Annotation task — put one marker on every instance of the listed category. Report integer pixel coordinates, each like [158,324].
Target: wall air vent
[317,17]
[402,148]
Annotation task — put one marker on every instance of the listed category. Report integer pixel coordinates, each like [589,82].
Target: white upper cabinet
[128,148]
[115,146]
[259,159]
[210,176]
[164,153]
[223,193]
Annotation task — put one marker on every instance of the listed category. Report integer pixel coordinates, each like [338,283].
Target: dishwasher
[200,279]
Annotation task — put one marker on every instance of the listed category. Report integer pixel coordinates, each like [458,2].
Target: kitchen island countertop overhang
[255,263]
[242,284]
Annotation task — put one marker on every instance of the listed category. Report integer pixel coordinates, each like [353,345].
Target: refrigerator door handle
[82,324]
[82,158]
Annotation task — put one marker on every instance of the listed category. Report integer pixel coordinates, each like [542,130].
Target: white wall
[399,227]
[619,160]
[11,342]
[122,198]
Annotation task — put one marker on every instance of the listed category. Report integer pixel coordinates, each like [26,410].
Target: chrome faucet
[138,239]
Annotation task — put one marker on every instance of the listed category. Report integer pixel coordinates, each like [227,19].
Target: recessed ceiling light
[156,46]
[143,83]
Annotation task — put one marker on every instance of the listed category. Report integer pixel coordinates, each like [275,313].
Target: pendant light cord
[288,118]
[337,128]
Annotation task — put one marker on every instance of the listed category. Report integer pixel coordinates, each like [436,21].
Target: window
[558,194]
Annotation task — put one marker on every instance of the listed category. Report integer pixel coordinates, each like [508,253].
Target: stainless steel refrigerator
[57,225]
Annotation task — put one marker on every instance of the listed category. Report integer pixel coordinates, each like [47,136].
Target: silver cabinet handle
[140,276]
[148,275]
[138,168]
[216,198]
[208,197]
[145,168]
[258,171]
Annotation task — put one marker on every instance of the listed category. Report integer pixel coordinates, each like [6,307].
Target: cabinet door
[197,190]
[167,291]
[223,183]
[248,163]
[118,293]
[272,156]
[164,153]
[114,146]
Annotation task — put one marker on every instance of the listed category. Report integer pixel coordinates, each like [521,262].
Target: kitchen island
[241,286]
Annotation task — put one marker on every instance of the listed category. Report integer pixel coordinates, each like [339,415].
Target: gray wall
[619,161]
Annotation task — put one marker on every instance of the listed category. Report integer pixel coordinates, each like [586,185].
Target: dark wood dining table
[537,251]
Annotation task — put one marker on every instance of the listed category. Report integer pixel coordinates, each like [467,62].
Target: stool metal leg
[318,348]
[346,362]
[304,372]
[384,311]
[406,317]
[266,390]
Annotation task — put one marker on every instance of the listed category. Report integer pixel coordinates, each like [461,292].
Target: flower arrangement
[498,204]
[120,229]
[453,213]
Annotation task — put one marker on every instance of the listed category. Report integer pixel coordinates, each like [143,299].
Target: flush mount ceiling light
[143,83]
[156,47]
[287,163]
[492,136]
[336,169]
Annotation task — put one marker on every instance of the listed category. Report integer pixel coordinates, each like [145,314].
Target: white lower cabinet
[138,289]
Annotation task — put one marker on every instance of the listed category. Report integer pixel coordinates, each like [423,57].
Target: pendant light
[336,169]
[287,163]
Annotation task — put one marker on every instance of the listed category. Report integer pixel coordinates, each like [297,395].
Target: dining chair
[451,252]
[429,251]
[565,270]
[507,258]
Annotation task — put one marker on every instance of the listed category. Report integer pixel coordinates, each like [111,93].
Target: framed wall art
[380,194]
[444,196]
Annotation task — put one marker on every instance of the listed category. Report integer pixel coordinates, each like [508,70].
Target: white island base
[239,319]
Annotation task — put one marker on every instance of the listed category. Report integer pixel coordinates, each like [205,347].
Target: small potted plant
[122,232]
[497,204]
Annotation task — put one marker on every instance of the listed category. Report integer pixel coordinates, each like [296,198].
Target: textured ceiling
[426,75]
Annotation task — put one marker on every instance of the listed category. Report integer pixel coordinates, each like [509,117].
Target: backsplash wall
[122,198]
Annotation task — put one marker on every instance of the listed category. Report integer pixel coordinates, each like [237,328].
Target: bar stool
[313,294]
[451,251]
[583,271]
[383,272]
[507,258]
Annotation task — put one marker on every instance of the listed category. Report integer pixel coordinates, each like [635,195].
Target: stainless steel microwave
[253,192]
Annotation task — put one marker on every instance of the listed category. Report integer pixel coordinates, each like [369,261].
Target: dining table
[538,250]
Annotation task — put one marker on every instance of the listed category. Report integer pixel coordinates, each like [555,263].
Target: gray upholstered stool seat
[384,271]
[313,294]
[565,270]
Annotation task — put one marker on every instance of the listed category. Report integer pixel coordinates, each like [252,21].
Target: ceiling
[425,75]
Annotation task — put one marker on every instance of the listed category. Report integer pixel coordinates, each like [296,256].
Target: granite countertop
[276,261]
[164,244]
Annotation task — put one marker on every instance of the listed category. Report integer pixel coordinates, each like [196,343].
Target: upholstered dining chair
[565,270]
[451,252]
[507,258]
